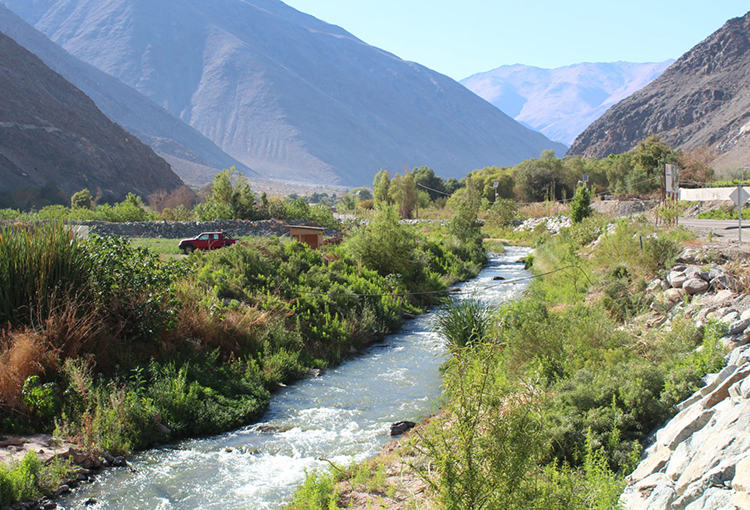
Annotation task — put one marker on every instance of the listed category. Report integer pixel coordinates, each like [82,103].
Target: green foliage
[382,184]
[82,200]
[40,267]
[231,198]
[652,154]
[41,399]
[462,323]
[318,492]
[502,213]
[28,479]
[367,244]
[580,205]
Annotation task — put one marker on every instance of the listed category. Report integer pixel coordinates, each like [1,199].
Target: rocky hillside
[285,93]
[701,458]
[193,157]
[562,102]
[51,131]
[703,99]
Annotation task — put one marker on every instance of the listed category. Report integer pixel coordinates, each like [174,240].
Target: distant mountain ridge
[50,131]
[192,156]
[703,99]
[562,102]
[283,92]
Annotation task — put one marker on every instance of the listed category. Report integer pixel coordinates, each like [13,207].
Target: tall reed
[39,264]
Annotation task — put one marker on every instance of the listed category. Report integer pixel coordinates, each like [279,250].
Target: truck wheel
[188,249]
[226,243]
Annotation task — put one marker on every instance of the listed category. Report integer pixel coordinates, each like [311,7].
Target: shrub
[580,205]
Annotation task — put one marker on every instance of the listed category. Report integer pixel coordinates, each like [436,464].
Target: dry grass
[231,331]
[22,355]
[542,210]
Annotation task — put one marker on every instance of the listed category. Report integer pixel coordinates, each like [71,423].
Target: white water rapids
[343,415]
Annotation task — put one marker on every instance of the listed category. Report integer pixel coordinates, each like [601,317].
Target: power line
[453,291]
[435,190]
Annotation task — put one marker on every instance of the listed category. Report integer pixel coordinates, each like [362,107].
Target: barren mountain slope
[51,131]
[193,157]
[283,92]
[703,99]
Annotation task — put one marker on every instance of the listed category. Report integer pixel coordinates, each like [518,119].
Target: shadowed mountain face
[703,99]
[193,157]
[561,102]
[285,93]
[51,131]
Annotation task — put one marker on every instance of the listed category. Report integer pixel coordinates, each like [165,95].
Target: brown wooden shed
[311,236]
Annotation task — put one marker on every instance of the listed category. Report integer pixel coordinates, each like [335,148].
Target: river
[343,415]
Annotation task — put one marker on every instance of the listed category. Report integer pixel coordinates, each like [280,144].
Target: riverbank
[193,347]
[597,356]
[344,413]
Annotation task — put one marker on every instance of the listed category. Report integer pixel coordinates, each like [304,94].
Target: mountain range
[702,100]
[51,132]
[284,93]
[562,102]
[192,156]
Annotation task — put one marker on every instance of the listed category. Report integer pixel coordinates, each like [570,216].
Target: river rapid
[343,415]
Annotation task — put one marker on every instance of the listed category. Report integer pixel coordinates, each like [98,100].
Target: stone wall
[186,229]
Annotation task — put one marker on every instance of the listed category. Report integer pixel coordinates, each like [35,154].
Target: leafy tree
[231,198]
[580,205]
[652,154]
[502,212]
[424,177]
[385,245]
[542,179]
[382,184]
[82,200]
[452,185]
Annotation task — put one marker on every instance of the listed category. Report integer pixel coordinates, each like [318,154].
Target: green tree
[385,245]
[652,154]
[82,200]
[424,177]
[580,205]
[231,198]
[382,184]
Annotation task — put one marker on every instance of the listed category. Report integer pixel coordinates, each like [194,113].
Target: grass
[30,478]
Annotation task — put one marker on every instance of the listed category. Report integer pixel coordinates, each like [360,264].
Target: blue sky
[463,37]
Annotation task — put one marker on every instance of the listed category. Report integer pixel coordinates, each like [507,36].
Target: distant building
[311,236]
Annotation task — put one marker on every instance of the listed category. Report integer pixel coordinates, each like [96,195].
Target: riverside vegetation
[112,346]
[548,400]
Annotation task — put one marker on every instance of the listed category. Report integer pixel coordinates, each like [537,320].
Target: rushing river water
[343,415]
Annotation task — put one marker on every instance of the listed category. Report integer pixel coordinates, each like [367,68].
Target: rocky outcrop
[701,458]
[286,94]
[701,100]
[50,131]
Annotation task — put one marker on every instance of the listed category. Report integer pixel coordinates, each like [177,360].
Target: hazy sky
[463,37]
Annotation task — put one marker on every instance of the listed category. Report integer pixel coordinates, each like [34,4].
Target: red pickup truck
[206,241]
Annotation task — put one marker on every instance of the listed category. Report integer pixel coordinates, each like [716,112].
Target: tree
[82,200]
[231,198]
[652,154]
[424,178]
[542,179]
[580,205]
[385,245]
[382,184]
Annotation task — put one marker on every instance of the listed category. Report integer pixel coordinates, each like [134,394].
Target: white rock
[676,279]
[738,326]
[695,285]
